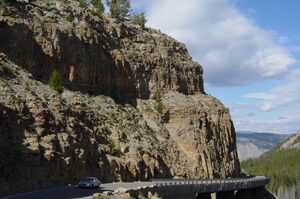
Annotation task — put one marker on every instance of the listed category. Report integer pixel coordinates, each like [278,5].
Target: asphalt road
[69,192]
[74,191]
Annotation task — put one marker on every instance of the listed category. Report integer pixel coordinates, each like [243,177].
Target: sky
[249,50]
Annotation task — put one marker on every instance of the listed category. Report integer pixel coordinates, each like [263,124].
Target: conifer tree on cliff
[55,82]
[119,9]
[98,5]
[139,19]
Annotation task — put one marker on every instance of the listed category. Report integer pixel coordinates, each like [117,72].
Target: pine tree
[139,19]
[99,7]
[83,4]
[158,105]
[55,82]
[119,9]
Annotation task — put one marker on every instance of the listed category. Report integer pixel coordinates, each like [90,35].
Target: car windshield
[88,180]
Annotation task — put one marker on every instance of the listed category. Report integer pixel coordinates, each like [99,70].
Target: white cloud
[281,96]
[287,122]
[260,96]
[232,48]
[283,100]
[235,51]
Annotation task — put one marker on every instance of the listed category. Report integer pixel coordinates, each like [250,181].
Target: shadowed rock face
[51,139]
[120,60]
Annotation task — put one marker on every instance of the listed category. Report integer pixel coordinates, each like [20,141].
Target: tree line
[282,167]
[118,9]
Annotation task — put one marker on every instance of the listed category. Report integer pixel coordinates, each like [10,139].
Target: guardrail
[168,188]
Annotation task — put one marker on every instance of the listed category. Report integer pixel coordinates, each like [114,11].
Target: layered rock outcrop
[50,139]
[292,142]
[120,60]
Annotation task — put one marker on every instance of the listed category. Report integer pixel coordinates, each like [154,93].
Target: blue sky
[250,52]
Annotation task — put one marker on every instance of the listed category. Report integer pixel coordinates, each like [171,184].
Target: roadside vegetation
[282,167]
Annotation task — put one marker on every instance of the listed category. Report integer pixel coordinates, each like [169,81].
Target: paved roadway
[76,192]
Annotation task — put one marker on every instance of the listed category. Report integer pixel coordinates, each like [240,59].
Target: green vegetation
[281,166]
[114,150]
[101,197]
[114,117]
[55,82]
[98,8]
[148,109]
[119,9]
[139,19]
[95,6]
[70,18]
[27,86]
[7,70]
[83,4]
[158,105]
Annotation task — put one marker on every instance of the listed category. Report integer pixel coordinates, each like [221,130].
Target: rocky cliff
[292,142]
[117,59]
[49,139]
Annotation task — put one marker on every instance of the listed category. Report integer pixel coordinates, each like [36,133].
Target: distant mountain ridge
[253,144]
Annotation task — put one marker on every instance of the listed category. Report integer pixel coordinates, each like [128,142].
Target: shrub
[83,4]
[139,19]
[114,150]
[55,82]
[7,70]
[70,18]
[113,116]
[158,105]
[119,9]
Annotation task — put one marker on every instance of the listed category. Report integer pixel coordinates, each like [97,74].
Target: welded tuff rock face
[48,138]
[106,57]
[197,134]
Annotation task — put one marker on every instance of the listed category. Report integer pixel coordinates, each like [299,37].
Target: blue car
[89,182]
